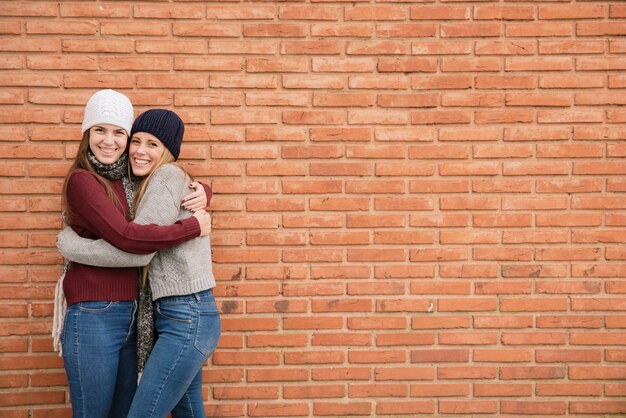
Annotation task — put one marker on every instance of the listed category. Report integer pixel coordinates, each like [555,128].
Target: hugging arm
[96,252]
[100,216]
[160,205]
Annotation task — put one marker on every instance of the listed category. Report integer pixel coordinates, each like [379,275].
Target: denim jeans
[188,329]
[100,356]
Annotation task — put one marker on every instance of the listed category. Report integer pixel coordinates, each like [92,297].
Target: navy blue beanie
[166,125]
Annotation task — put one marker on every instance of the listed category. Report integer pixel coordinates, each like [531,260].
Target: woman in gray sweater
[180,278]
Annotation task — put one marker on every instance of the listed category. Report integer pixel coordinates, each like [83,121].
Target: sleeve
[209,193]
[96,252]
[160,203]
[89,199]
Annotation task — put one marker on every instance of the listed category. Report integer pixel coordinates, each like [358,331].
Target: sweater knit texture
[180,270]
[95,216]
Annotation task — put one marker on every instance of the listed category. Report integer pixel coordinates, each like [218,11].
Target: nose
[140,149]
[109,137]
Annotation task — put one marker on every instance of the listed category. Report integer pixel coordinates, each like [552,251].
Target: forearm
[96,252]
[88,199]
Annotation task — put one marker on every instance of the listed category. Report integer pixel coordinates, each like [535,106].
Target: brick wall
[420,206]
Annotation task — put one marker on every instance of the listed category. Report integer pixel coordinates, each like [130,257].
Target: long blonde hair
[166,158]
[82,161]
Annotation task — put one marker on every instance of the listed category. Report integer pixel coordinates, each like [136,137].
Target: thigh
[126,382]
[191,404]
[93,335]
[173,362]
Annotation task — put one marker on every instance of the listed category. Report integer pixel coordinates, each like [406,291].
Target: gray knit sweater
[181,270]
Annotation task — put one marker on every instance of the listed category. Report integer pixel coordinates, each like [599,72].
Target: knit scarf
[145,314]
[145,317]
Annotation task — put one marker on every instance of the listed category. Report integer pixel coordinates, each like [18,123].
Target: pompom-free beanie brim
[164,124]
[108,107]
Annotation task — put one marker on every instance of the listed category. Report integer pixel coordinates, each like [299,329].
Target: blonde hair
[82,161]
[166,158]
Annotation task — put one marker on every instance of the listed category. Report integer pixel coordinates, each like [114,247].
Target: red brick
[472,99]
[571,47]
[443,82]
[243,47]
[460,30]
[568,389]
[273,29]
[377,390]
[493,12]
[340,373]
[341,339]
[600,29]
[344,30]
[405,407]
[597,407]
[517,47]
[538,29]
[568,82]
[469,134]
[342,409]
[258,409]
[42,27]
[565,12]
[437,117]
[400,30]
[441,47]
[534,407]
[466,64]
[502,390]
[382,12]
[596,372]
[377,48]
[317,357]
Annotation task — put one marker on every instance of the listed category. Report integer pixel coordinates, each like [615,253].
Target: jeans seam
[169,372]
[77,356]
[132,320]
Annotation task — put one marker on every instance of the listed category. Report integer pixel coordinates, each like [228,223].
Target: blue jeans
[100,356]
[188,329]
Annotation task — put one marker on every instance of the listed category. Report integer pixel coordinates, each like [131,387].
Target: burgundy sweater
[95,216]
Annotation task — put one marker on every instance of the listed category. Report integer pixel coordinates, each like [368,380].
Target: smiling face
[145,152]
[107,142]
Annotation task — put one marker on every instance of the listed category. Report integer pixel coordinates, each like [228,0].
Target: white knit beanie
[108,107]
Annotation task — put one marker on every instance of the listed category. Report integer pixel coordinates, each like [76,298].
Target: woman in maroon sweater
[98,337]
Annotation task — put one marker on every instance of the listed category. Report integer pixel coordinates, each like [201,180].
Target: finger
[192,195]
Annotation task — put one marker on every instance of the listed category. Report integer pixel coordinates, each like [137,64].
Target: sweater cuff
[208,192]
[191,226]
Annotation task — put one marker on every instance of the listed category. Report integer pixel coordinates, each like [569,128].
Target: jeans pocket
[209,327]
[174,311]
[95,307]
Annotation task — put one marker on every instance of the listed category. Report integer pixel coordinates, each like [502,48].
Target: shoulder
[169,169]
[81,177]
[79,174]
[170,175]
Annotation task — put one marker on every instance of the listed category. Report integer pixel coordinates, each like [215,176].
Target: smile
[108,150]
[141,162]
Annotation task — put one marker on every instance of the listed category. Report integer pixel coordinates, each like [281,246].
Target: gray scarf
[145,315]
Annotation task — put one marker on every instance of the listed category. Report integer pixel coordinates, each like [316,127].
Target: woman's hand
[204,219]
[195,200]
